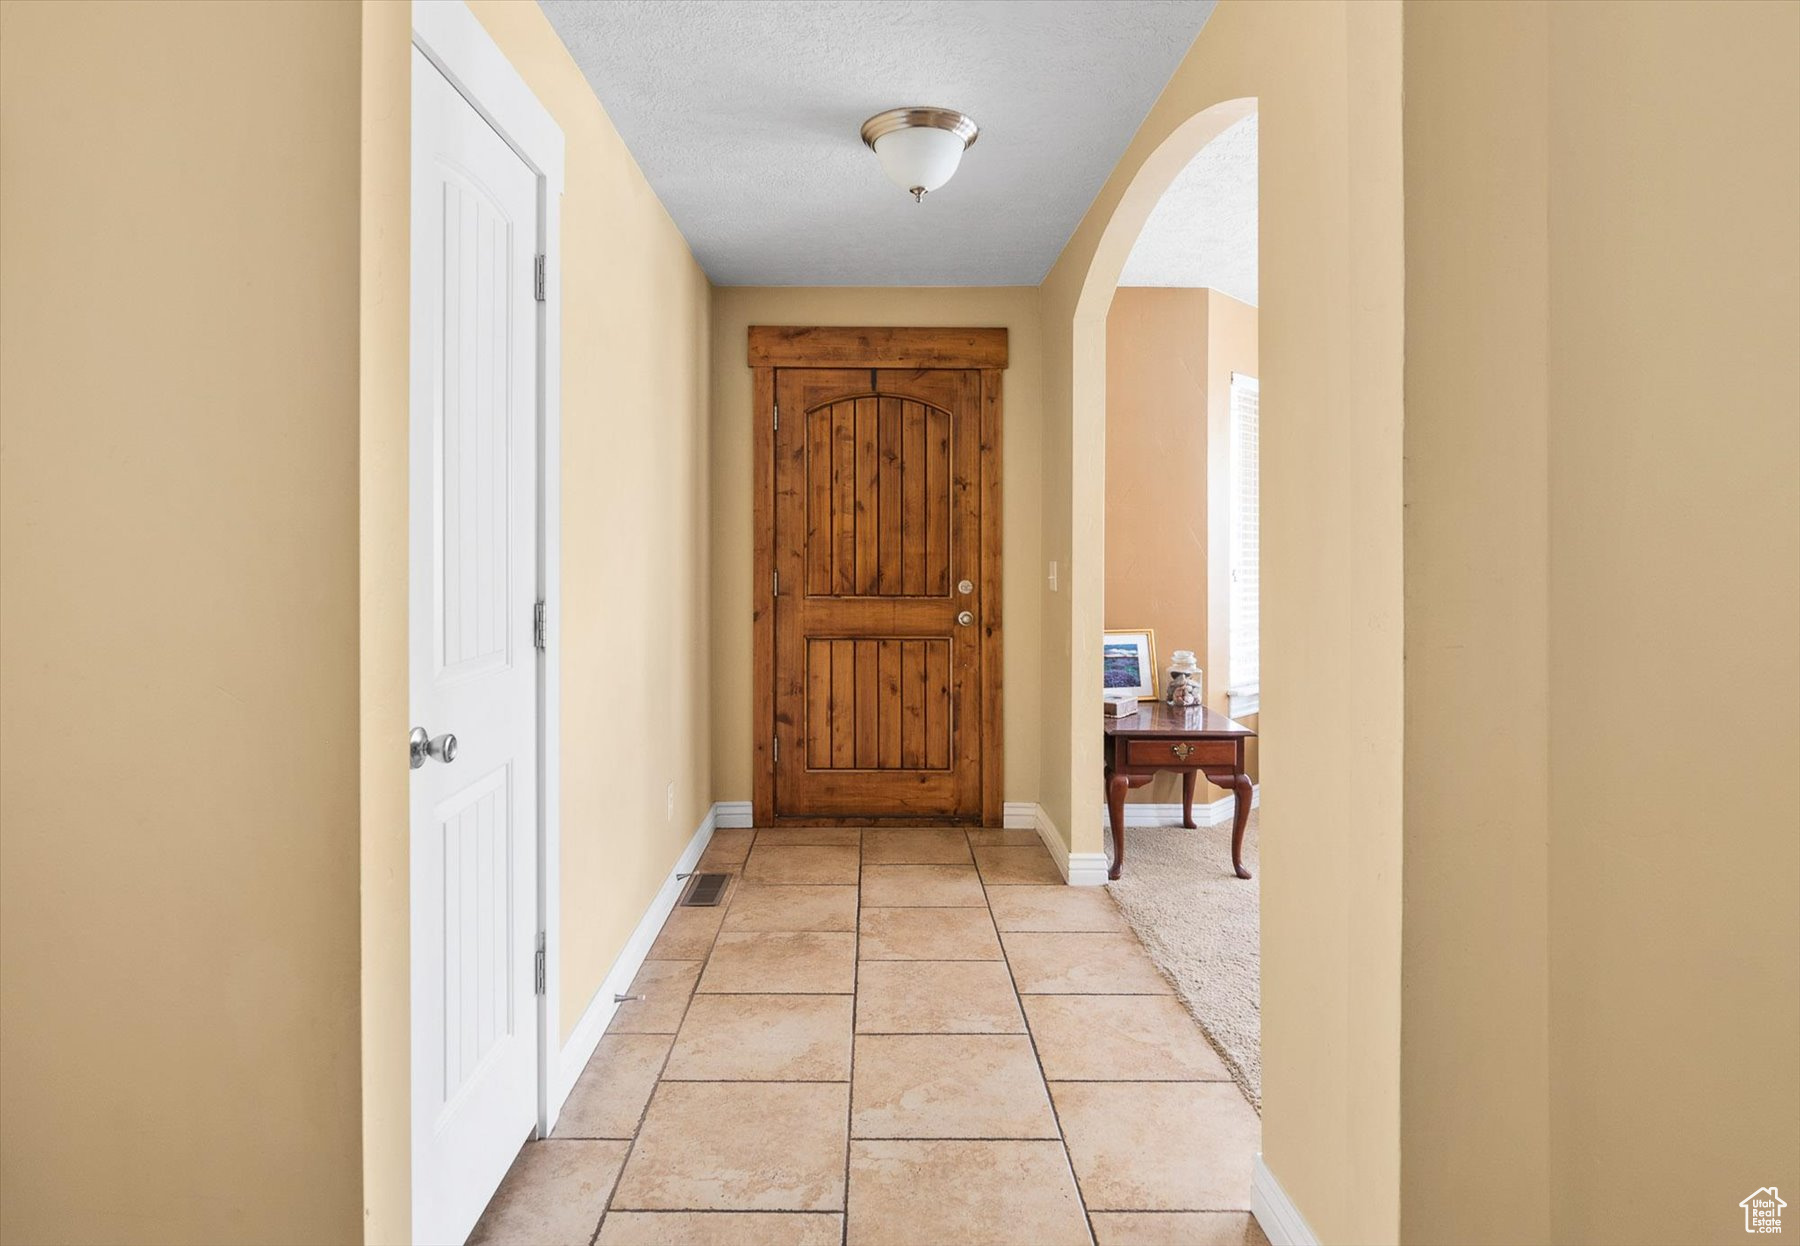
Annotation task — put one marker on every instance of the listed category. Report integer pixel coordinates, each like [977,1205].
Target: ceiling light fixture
[919,148]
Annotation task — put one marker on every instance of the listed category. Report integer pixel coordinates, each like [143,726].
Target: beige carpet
[1200,924]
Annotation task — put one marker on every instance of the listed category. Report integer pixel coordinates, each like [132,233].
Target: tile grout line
[662,1079]
[784,994]
[1139,1081]
[1087,1215]
[855,1003]
[807,1211]
[959,1138]
[1089,1210]
[613,1189]
[1178,1211]
[1137,940]
[644,1112]
[722,1211]
[938,1033]
[758,1081]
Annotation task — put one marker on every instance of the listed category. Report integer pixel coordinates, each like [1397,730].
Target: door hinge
[777,578]
[777,740]
[778,415]
[537,279]
[539,640]
[539,970]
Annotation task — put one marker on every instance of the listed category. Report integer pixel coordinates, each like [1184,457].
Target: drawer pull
[1181,750]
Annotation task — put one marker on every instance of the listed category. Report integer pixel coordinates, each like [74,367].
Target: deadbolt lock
[965,587]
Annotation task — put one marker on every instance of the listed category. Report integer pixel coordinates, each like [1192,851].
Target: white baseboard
[1085,869]
[733,814]
[1052,839]
[1215,813]
[1079,869]
[599,1011]
[1281,1221]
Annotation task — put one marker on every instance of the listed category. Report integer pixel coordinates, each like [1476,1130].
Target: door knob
[442,747]
[966,617]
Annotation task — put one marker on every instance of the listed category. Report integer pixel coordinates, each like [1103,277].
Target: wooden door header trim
[799,346]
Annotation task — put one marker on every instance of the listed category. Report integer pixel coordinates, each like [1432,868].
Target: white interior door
[473,588]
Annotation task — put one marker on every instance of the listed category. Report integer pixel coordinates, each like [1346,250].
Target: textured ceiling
[744,116]
[1203,230]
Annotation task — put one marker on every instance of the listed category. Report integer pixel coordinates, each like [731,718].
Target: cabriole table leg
[1116,787]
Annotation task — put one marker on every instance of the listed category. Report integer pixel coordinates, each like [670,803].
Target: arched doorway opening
[1180,588]
[1324,83]
[1087,396]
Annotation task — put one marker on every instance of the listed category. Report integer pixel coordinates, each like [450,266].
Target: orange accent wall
[1170,353]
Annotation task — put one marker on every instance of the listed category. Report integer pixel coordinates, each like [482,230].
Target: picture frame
[1128,663]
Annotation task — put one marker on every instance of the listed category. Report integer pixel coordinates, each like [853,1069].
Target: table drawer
[1180,754]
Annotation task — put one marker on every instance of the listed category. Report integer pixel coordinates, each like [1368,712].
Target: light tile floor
[892,1036]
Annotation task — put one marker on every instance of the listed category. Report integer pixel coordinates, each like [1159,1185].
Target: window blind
[1245,674]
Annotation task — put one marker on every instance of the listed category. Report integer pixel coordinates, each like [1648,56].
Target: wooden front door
[883,622]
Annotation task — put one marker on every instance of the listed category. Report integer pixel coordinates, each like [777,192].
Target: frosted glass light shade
[919,160]
[919,148]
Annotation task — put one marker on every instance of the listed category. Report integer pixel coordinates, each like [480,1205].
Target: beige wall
[635,534]
[1603,556]
[385,342]
[1170,353]
[1674,606]
[1326,80]
[735,309]
[178,686]
[1156,487]
[635,556]
[1475,1161]
[188,429]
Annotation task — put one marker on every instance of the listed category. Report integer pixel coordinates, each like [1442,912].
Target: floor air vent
[705,890]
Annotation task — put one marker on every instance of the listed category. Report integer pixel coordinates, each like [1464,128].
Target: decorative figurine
[1184,680]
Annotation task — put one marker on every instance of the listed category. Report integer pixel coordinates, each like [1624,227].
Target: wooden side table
[1191,742]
